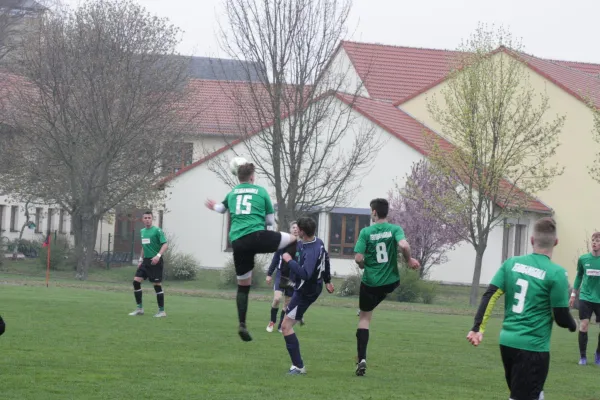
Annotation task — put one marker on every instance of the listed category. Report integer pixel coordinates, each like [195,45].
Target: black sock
[362,338]
[583,340]
[274,314]
[281,317]
[137,292]
[242,302]
[598,348]
[160,297]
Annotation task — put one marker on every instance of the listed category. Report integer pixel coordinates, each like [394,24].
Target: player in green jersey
[537,293]
[150,266]
[251,210]
[377,254]
[587,283]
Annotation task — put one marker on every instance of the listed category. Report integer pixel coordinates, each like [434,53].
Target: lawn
[67,342]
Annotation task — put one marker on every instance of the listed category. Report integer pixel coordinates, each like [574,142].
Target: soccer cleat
[244,334]
[270,327]
[597,358]
[138,311]
[160,314]
[358,312]
[583,361]
[361,368]
[296,371]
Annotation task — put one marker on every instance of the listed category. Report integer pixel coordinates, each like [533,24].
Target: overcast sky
[558,29]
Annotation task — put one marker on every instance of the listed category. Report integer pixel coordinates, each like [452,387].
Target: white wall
[343,76]
[203,232]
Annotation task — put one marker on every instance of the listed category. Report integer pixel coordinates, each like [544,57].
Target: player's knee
[247,276]
[286,327]
[276,302]
[137,285]
[286,240]
[583,327]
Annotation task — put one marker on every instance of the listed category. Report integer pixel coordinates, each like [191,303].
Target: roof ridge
[556,62]
[398,46]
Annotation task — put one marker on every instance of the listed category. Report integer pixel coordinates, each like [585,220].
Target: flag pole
[48,262]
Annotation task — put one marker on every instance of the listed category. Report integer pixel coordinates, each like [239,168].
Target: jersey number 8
[243,200]
[381,251]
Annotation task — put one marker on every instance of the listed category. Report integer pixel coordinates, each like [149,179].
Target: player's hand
[475,338]
[329,287]
[155,260]
[269,279]
[210,204]
[572,301]
[286,257]
[413,264]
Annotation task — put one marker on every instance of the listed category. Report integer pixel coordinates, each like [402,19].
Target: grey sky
[557,29]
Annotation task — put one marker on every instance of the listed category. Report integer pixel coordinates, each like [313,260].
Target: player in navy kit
[310,271]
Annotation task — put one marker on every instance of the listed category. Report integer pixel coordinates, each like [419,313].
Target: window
[49,225]
[38,220]
[160,218]
[2,218]
[14,218]
[514,240]
[343,233]
[61,221]
[182,156]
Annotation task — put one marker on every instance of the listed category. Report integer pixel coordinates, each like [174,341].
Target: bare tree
[503,140]
[95,109]
[295,125]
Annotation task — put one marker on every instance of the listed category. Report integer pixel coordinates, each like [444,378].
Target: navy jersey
[275,266]
[311,268]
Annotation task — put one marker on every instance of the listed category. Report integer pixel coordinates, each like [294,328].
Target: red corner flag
[47,244]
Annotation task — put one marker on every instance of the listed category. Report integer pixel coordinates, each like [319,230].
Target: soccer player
[537,293]
[275,267]
[310,271]
[587,283]
[377,254]
[154,245]
[250,209]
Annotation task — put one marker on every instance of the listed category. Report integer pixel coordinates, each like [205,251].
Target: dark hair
[307,225]
[544,233]
[147,212]
[381,206]
[245,171]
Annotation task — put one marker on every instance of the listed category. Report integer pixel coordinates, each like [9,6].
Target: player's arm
[559,301]
[360,248]
[221,208]
[488,301]
[327,271]
[578,277]
[141,257]
[274,263]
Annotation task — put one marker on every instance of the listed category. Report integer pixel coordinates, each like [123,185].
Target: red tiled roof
[397,74]
[589,68]
[393,72]
[412,132]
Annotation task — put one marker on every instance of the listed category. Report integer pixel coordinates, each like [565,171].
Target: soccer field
[67,343]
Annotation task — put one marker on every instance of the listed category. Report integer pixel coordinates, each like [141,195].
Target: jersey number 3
[520,297]
[243,205]
[381,251]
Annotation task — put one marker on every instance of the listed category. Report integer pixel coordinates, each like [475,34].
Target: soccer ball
[235,164]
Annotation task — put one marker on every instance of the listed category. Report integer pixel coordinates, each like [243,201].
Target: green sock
[140,305]
[161,309]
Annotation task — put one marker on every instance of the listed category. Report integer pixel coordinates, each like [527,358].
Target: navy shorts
[299,304]
[288,291]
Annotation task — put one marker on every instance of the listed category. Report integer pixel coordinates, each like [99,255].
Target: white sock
[286,239]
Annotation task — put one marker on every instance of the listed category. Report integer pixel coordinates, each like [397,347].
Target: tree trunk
[86,227]
[479,251]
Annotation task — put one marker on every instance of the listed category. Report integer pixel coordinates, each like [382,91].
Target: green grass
[65,342]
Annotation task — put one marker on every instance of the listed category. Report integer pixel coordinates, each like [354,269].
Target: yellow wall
[574,196]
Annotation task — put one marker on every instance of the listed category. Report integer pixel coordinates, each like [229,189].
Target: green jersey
[379,245]
[152,240]
[533,285]
[588,278]
[248,206]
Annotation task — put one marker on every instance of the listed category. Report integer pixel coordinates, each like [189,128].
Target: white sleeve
[270,219]
[220,208]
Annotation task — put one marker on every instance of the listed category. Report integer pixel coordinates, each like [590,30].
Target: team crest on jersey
[592,272]
[145,241]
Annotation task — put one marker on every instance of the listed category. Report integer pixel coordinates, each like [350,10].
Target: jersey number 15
[243,205]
